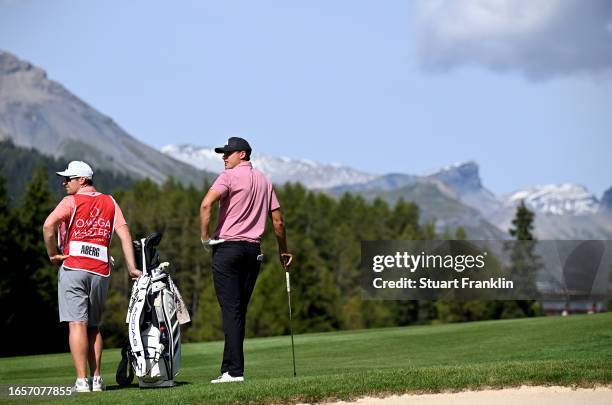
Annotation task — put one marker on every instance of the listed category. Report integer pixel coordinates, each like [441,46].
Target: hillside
[17,165]
[39,113]
[437,204]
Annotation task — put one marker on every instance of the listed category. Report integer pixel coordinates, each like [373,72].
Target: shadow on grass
[135,385]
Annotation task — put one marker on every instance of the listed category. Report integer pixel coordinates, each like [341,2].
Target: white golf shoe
[97,384]
[81,385]
[226,377]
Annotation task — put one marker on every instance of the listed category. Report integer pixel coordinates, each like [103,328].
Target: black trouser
[235,270]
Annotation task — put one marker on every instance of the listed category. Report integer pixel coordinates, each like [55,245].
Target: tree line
[324,234]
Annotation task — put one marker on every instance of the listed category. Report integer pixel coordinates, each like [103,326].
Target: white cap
[76,168]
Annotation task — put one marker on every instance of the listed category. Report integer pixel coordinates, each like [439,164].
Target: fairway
[574,350]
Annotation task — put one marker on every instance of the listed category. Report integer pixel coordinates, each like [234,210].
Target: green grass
[575,350]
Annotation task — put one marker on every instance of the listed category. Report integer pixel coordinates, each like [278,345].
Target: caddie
[85,221]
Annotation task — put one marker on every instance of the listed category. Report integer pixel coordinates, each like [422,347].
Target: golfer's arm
[279,230]
[123,232]
[206,212]
[49,236]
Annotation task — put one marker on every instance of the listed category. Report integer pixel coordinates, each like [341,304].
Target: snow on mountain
[563,199]
[563,211]
[202,158]
[278,169]
[556,199]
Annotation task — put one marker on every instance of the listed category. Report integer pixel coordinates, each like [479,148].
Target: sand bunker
[508,396]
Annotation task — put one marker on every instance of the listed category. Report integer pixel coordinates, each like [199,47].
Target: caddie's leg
[95,350]
[79,347]
[72,293]
[97,299]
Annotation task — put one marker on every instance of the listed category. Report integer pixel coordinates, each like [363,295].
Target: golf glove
[209,243]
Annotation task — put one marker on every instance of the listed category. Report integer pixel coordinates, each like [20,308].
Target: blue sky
[393,86]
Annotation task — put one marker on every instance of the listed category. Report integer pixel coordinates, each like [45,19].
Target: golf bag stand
[153,352]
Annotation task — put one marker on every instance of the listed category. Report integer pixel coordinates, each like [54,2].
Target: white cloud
[540,38]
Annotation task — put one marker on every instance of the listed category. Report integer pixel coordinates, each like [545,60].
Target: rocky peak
[10,64]
[462,177]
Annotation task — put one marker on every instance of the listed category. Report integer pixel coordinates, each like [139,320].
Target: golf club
[289,300]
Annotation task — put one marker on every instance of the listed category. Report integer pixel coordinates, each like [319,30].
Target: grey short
[81,296]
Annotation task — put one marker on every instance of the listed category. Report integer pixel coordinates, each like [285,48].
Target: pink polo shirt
[247,197]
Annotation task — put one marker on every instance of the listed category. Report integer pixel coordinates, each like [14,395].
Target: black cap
[234,144]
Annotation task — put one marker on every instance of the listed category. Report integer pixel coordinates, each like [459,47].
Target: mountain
[450,196]
[17,166]
[464,179]
[554,199]
[562,227]
[386,182]
[564,211]
[40,113]
[438,204]
[279,170]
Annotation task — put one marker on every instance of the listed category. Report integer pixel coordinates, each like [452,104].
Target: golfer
[85,221]
[246,199]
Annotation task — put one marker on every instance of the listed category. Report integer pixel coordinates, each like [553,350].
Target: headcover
[146,249]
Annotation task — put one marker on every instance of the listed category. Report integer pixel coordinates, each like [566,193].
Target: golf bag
[155,313]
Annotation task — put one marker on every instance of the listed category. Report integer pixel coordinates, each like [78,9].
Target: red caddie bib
[89,234]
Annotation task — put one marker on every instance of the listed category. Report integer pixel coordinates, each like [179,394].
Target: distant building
[558,307]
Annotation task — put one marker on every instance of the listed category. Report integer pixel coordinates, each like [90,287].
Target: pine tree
[5,235]
[523,223]
[8,265]
[525,264]
[34,279]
